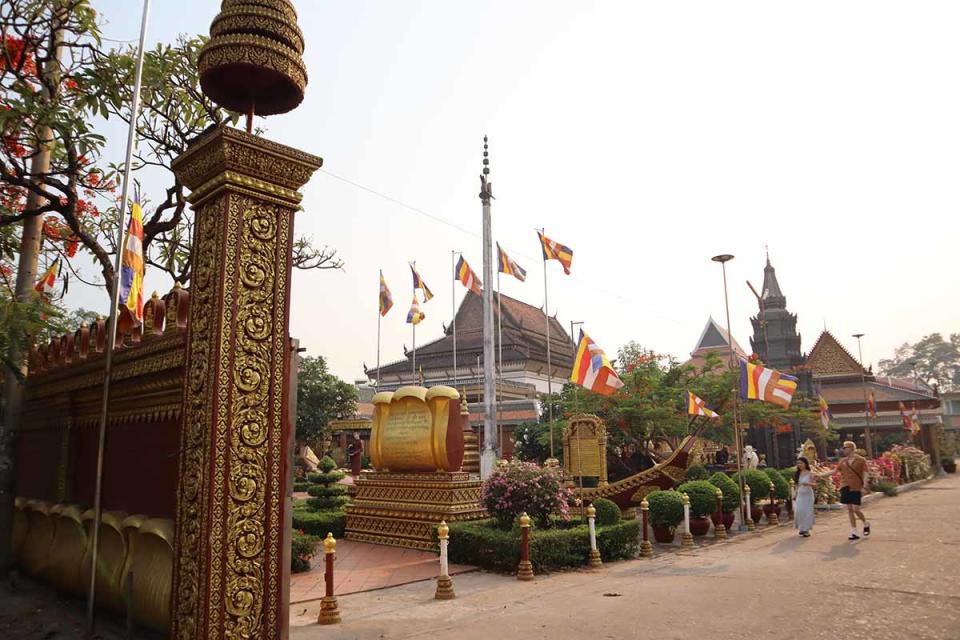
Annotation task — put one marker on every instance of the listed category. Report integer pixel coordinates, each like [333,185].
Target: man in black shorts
[853,472]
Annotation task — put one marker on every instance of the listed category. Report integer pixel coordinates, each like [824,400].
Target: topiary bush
[320,523]
[300,487]
[607,512]
[789,474]
[703,497]
[666,508]
[525,487]
[781,488]
[758,481]
[731,491]
[327,492]
[697,472]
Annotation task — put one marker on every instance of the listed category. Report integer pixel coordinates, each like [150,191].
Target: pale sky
[647,137]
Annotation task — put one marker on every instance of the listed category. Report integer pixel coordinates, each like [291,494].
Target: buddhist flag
[824,411]
[131,270]
[386,300]
[592,370]
[905,418]
[46,283]
[414,316]
[469,279]
[418,283]
[769,385]
[697,407]
[508,266]
[555,251]
[914,420]
[872,405]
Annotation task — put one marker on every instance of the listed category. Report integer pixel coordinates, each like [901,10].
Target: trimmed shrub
[301,486]
[666,508]
[781,488]
[758,482]
[327,494]
[525,487]
[731,491]
[484,544]
[788,474]
[949,465]
[320,523]
[303,547]
[697,472]
[888,488]
[607,512]
[703,497]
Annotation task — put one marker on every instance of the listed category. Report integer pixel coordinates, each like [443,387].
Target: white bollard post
[444,583]
[749,510]
[595,560]
[687,536]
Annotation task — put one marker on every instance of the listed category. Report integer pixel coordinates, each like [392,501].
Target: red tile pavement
[364,567]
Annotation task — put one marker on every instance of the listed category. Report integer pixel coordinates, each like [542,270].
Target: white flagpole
[114,308]
[453,305]
[379,316]
[414,324]
[546,313]
[499,368]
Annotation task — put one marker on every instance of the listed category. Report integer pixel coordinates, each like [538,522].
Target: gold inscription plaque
[410,430]
[585,448]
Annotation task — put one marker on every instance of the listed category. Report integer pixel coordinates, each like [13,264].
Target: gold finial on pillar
[253,62]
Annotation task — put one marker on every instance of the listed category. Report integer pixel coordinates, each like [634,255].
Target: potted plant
[759,484]
[949,465]
[731,498]
[703,502]
[781,492]
[666,512]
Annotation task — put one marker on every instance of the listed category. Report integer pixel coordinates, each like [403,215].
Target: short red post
[719,529]
[646,549]
[773,518]
[525,570]
[329,609]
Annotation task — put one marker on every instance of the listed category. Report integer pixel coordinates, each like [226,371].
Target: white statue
[750,457]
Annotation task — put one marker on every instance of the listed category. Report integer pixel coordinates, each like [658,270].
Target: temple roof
[524,338]
[713,338]
[830,358]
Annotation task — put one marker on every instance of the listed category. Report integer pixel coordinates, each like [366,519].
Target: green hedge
[481,544]
[731,491]
[703,497]
[781,488]
[301,486]
[696,472]
[320,523]
[607,512]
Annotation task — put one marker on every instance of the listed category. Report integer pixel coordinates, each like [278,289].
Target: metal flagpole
[114,312]
[546,314]
[453,306]
[499,368]
[489,457]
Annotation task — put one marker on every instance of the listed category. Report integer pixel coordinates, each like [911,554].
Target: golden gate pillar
[232,562]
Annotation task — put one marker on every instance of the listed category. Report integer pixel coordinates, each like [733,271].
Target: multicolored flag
[414,316]
[824,411]
[592,370]
[905,418]
[131,270]
[386,300]
[46,283]
[555,251]
[469,279]
[697,407]
[508,266]
[914,420]
[769,385]
[418,283]
[872,405]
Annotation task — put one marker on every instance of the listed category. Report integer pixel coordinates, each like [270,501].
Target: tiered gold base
[525,570]
[329,611]
[687,539]
[402,509]
[471,452]
[646,549]
[444,588]
[720,532]
[595,560]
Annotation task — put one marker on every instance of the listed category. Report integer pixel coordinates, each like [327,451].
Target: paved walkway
[364,567]
[900,584]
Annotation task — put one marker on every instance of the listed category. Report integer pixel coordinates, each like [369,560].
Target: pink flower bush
[525,487]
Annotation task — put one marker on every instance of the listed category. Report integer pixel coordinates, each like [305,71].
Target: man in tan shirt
[853,474]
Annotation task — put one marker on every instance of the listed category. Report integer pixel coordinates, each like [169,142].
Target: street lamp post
[723,259]
[867,441]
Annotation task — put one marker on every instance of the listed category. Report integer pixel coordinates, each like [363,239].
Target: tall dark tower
[775,338]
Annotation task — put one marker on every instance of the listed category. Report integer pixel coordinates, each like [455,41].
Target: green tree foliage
[937,361]
[321,397]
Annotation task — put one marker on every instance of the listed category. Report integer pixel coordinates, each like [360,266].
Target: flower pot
[728,517]
[664,535]
[770,509]
[756,513]
[699,526]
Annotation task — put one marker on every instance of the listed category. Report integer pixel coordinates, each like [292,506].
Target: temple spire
[772,296]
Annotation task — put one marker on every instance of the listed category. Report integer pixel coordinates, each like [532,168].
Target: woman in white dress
[806,482]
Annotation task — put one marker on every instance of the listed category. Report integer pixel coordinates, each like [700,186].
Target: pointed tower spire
[772,296]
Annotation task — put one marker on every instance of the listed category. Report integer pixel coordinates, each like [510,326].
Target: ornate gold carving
[585,447]
[259,19]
